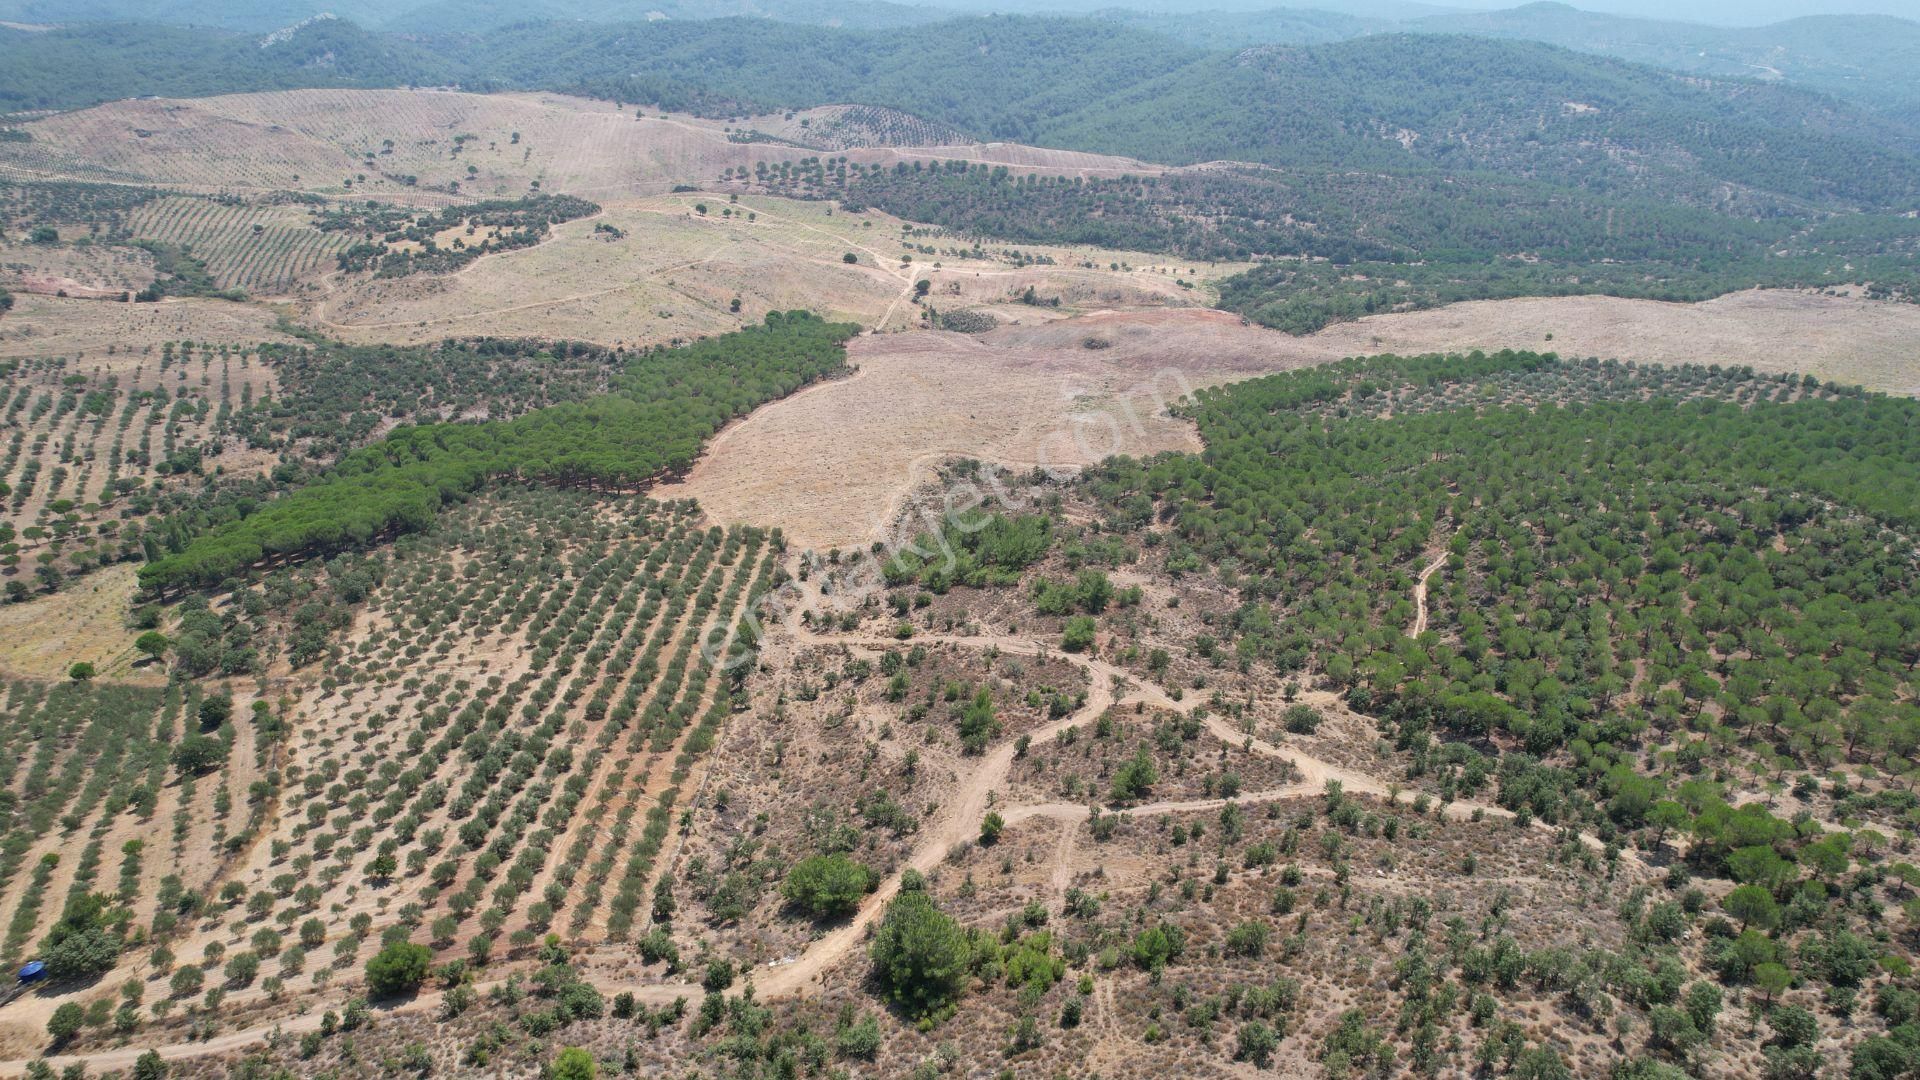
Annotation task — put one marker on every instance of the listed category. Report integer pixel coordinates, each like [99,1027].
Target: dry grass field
[43,637]
[1841,338]
[831,464]
[673,272]
[83,271]
[416,144]
[49,326]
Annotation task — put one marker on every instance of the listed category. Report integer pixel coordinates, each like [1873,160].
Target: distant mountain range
[1399,104]
[1870,60]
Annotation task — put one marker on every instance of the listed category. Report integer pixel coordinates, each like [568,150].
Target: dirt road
[958,822]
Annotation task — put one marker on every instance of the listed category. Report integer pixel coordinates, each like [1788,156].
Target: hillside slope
[1872,60]
[81,65]
[1462,104]
[1392,103]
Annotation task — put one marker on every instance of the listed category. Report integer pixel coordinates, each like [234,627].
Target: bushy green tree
[66,1021]
[88,938]
[398,969]
[1753,906]
[1135,777]
[153,643]
[825,886]
[573,1063]
[991,827]
[920,955]
[199,753]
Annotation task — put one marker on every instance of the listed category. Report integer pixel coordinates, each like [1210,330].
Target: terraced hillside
[256,248]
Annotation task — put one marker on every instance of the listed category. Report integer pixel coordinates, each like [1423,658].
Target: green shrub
[920,955]
[398,969]
[825,886]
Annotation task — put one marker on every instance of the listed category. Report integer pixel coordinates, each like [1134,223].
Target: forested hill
[1460,103]
[1388,102]
[1395,104]
[1871,60]
[459,16]
[82,65]
[995,78]
[1391,103]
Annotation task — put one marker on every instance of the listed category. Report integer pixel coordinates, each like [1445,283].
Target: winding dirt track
[1420,594]
[958,822]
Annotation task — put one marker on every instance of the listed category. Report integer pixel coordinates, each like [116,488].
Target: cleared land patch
[671,266]
[76,270]
[1840,338]
[42,638]
[828,465]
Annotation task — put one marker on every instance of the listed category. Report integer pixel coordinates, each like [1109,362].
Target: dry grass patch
[86,620]
[1841,338]
[54,326]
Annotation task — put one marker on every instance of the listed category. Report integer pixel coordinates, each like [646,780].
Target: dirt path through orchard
[957,822]
[1420,595]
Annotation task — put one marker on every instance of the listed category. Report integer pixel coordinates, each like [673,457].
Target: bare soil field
[416,143]
[830,464]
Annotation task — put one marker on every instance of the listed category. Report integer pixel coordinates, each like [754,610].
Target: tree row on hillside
[662,408]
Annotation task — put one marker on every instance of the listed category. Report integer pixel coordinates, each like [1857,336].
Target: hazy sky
[1741,12]
[1734,11]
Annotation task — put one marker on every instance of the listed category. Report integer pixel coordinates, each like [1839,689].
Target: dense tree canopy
[1701,562]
